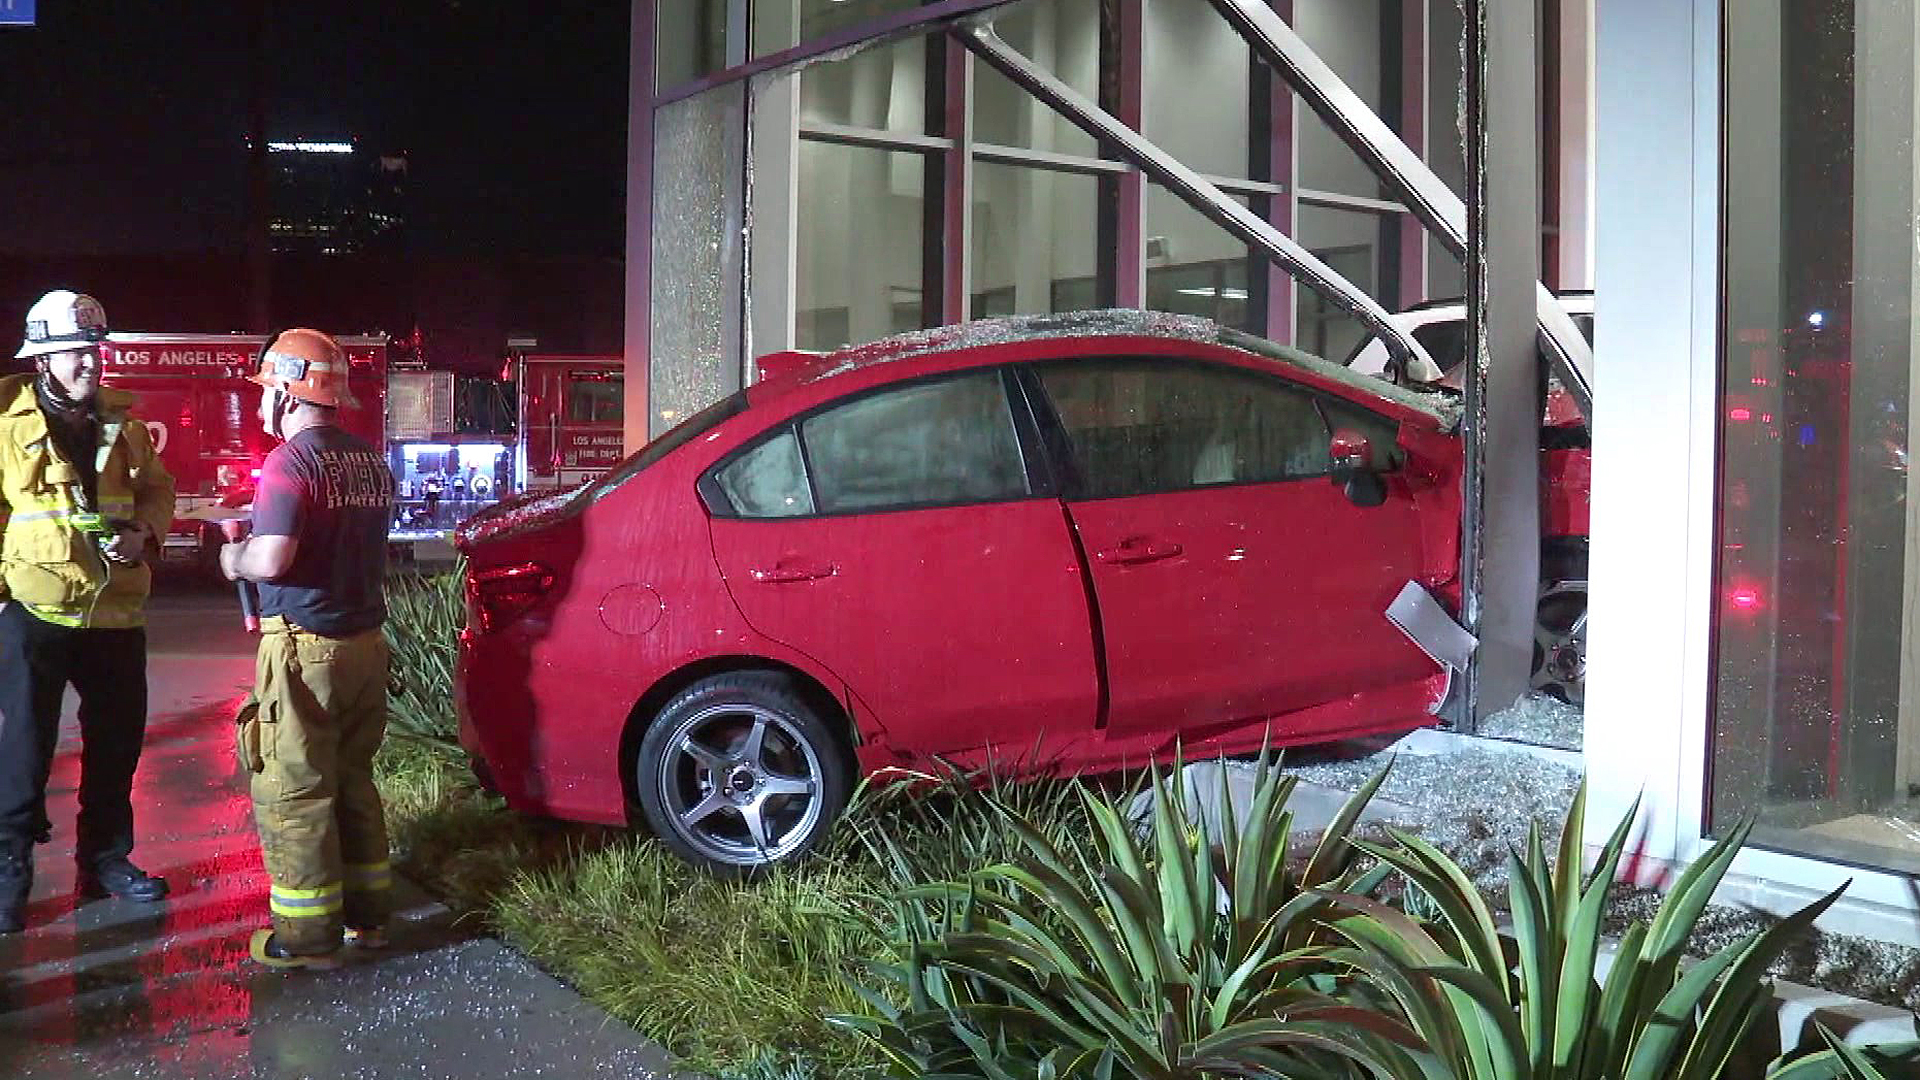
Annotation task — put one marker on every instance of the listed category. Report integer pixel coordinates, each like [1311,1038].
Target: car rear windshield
[675,437]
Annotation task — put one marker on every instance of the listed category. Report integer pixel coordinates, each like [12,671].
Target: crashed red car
[1070,542]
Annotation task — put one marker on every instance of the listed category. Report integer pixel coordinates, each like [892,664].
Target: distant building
[331,197]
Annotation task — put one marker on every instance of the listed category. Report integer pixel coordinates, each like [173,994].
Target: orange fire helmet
[307,365]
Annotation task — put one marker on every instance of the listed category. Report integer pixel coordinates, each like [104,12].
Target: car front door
[901,539]
[1234,581]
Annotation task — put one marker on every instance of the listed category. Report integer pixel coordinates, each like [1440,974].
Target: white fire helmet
[62,320]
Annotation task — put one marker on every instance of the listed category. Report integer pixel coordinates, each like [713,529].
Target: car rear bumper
[565,767]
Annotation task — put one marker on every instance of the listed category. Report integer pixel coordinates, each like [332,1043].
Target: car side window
[935,443]
[1445,342]
[768,481]
[1142,426]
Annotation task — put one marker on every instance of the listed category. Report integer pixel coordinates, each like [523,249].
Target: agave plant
[1536,1009]
[424,616]
[1163,953]
[1842,1062]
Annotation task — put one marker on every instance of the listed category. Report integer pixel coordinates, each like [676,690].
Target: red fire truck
[572,411]
[196,401]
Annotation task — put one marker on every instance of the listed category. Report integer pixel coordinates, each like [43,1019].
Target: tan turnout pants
[307,736]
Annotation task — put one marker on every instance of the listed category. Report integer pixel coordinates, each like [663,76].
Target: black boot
[119,877]
[16,881]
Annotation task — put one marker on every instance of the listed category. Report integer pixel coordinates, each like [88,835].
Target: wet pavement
[109,989]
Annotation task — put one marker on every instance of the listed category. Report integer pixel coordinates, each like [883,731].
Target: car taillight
[499,594]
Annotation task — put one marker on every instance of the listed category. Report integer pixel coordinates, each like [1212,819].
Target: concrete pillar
[1501,549]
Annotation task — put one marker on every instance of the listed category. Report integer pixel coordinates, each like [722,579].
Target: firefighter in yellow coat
[84,501]
[319,705]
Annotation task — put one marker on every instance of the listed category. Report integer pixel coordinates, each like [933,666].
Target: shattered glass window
[768,481]
[1816,698]
[1140,427]
[937,443]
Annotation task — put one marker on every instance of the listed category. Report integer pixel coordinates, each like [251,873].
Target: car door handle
[786,572]
[1138,549]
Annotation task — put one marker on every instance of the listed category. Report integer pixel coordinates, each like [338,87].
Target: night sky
[122,121]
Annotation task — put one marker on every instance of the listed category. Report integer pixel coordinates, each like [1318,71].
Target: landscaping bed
[930,887]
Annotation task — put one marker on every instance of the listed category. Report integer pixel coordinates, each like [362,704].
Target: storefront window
[690,40]
[880,89]
[861,253]
[1349,242]
[1061,36]
[1035,242]
[1348,35]
[1817,688]
[774,24]
[1204,122]
[1195,267]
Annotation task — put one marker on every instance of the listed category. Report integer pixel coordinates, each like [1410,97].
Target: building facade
[880,179]
[1738,181]
[334,197]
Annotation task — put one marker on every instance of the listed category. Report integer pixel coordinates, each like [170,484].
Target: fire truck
[571,426]
[201,410]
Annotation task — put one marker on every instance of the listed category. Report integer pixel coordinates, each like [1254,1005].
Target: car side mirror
[1353,469]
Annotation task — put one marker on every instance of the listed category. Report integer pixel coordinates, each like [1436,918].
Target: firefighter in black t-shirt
[319,705]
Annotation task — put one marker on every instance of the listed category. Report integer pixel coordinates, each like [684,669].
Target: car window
[769,480]
[1140,426]
[1445,342]
[928,444]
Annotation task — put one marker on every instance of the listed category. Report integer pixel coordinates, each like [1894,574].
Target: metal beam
[1430,199]
[1196,192]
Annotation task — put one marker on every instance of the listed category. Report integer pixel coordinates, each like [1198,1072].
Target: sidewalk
[108,989]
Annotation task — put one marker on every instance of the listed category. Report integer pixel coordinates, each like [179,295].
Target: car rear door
[1233,580]
[907,540]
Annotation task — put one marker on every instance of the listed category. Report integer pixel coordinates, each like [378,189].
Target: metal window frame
[1121,257]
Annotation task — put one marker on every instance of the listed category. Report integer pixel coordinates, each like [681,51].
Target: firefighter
[318,710]
[84,501]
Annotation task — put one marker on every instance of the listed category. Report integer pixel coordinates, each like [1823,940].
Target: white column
[1655,255]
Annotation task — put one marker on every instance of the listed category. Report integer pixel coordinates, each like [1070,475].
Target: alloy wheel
[741,784]
[1560,642]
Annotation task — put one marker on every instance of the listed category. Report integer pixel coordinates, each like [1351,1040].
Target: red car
[1068,543]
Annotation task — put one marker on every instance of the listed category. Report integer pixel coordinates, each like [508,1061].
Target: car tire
[738,773]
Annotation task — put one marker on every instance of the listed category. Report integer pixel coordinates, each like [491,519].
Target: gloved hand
[128,544]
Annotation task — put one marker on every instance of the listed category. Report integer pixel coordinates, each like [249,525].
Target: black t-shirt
[334,493]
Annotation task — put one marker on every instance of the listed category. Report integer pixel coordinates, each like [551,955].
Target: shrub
[1161,956]
[1534,1008]
[424,617]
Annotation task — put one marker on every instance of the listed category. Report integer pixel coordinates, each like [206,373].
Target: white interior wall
[1198,102]
[1346,35]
